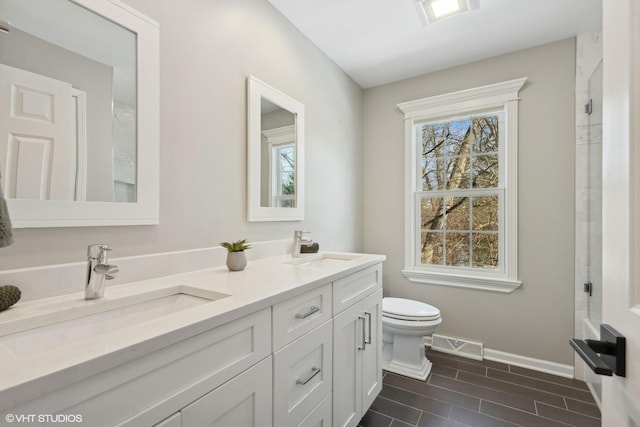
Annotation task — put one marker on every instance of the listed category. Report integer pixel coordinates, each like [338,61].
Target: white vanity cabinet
[313,359]
[357,346]
[302,362]
[328,352]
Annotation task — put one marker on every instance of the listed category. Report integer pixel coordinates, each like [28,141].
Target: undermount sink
[38,333]
[321,260]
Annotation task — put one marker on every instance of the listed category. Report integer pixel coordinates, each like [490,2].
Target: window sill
[491,284]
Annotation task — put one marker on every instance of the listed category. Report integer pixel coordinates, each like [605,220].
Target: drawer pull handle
[314,371]
[368,341]
[364,341]
[313,310]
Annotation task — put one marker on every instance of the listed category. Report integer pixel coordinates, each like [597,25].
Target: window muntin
[461,199]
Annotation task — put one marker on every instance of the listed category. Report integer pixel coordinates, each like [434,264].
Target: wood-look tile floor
[463,392]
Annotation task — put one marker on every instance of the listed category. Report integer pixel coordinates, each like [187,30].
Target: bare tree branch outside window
[460,228]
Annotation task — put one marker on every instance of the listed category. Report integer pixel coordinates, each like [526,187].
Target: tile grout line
[573,412]
[543,380]
[535,402]
[419,418]
[488,400]
[519,385]
[402,404]
[509,370]
[527,413]
[427,396]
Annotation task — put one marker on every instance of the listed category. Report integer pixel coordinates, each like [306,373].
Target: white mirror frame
[146,210]
[257,90]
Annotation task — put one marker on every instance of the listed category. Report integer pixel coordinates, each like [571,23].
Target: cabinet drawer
[245,401]
[302,373]
[320,416]
[148,389]
[298,315]
[349,290]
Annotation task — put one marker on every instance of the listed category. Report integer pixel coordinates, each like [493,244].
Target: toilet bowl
[404,323]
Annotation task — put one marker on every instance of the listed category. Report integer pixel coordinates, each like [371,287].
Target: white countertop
[263,283]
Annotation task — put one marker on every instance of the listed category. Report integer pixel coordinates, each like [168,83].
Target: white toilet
[404,323]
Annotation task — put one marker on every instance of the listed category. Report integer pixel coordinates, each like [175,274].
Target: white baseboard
[539,365]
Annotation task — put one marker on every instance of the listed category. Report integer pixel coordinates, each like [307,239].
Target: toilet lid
[406,309]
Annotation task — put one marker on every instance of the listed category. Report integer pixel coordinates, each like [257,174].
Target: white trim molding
[501,97]
[495,284]
[538,365]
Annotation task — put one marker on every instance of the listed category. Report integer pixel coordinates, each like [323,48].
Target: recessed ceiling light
[431,11]
[440,8]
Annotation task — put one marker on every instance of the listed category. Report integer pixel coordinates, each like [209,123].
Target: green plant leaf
[237,246]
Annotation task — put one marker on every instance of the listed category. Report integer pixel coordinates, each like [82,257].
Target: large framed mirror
[275,169]
[79,111]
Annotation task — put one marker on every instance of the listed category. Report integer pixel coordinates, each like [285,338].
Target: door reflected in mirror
[278,156]
[68,113]
[275,160]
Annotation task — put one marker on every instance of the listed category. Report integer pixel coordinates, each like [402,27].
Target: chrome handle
[364,341]
[313,310]
[314,371]
[366,313]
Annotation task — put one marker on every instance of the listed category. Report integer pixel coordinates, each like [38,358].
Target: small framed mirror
[275,167]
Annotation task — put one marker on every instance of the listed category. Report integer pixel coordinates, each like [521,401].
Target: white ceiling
[380,41]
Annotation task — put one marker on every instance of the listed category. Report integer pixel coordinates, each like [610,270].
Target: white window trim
[285,135]
[503,96]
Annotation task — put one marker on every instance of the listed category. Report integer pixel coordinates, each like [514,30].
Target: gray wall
[537,319]
[207,50]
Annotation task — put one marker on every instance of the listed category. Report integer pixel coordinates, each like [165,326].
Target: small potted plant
[236,259]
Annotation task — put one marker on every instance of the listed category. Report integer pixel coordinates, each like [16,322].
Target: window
[281,146]
[461,188]
[283,185]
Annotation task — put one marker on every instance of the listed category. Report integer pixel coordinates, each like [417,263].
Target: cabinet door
[372,356]
[244,401]
[347,373]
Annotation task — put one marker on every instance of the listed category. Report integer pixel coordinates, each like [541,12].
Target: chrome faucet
[298,241]
[98,269]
